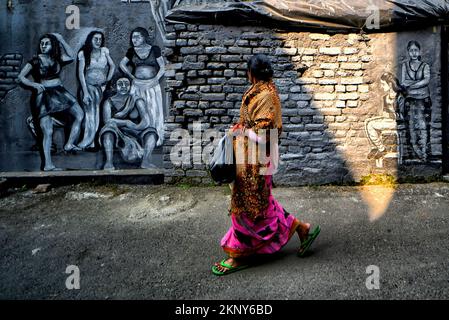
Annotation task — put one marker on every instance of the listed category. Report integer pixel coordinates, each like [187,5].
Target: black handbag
[222,165]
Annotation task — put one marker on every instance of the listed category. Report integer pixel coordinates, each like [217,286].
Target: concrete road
[159,242]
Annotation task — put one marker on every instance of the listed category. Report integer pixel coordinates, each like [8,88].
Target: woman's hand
[40,88]
[87,99]
[236,130]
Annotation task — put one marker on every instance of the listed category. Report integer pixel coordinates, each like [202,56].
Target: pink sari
[267,234]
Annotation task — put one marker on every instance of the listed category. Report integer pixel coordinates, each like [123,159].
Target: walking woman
[145,66]
[95,69]
[418,105]
[52,99]
[260,225]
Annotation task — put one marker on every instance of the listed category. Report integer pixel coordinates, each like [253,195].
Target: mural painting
[50,100]
[406,113]
[128,127]
[145,65]
[387,122]
[95,70]
[415,78]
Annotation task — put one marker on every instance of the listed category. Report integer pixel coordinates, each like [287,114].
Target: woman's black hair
[260,67]
[414,43]
[55,52]
[88,47]
[144,32]
[393,82]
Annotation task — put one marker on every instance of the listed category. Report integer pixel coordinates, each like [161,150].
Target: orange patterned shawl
[261,109]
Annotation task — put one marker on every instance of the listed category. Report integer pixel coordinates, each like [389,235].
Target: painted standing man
[52,99]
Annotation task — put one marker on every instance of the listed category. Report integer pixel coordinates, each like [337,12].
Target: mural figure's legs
[418,129]
[78,114]
[373,129]
[91,118]
[108,143]
[150,140]
[46,124]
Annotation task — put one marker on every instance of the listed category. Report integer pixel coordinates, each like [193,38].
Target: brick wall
[10,65]
[328,87]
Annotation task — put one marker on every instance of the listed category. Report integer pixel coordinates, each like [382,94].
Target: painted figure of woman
[127,127]
[416,78]
[392,111]
[159,9]
[95,69]
[52,99]
[260,225]
[145,66]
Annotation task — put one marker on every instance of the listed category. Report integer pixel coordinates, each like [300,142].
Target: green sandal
[308,242]
[230,268]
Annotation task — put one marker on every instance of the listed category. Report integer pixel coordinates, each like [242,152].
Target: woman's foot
[231,261]
[71,147]
[109,167]
[303,231]
[51,167]
[308,241]
[228,266]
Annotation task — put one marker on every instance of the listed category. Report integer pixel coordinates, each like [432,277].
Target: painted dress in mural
[128,127]
[387,122]
[95,70]
[50,98]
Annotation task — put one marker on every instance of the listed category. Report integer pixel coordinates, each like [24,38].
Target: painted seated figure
[392,114]
[127,127]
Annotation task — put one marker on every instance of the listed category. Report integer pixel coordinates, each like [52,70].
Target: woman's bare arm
[111,64]
[125,69]
[68,54]
[81,67]
[27,82]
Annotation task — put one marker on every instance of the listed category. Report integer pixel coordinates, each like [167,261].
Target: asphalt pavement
[159,242]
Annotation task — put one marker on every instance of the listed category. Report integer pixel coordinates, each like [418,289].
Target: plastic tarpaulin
[367,15]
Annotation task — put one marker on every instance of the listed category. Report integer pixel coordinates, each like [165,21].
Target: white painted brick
[335,51]
[364,88]
[307,58]
[351,66]
[352,104]
[352,80]
[350,50]
[327,81]
[318,74]
[319,36]
[286,51]
[351,88]
[348,96]
[306,81]
[367,58]
[307,51]
[329,66]
[340,88]
[324,96]
[340,104]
